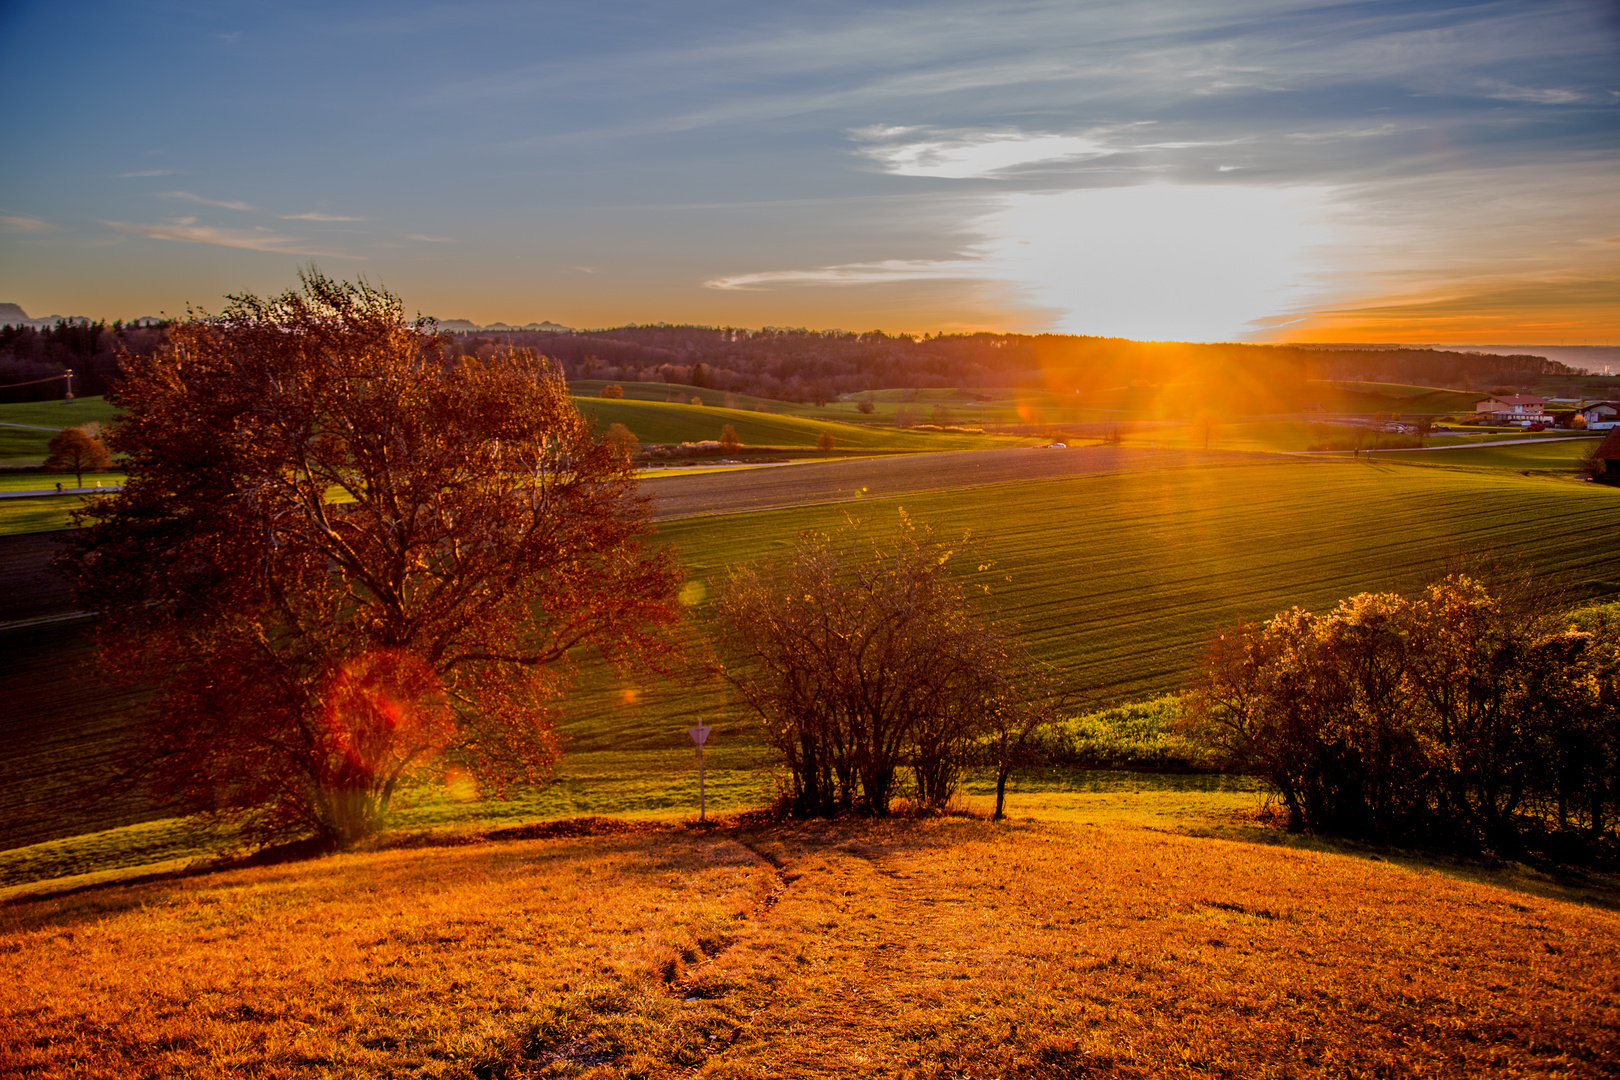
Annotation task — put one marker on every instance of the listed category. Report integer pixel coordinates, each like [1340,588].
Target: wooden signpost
[700,735]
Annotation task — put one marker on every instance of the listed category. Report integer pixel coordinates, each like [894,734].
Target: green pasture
[57,414]
[44,481]
[1118,580]
[1402,398]
[45,513]
[1559,457]
[28,445]
[664,422]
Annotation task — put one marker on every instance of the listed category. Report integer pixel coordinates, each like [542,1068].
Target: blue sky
[1191,170]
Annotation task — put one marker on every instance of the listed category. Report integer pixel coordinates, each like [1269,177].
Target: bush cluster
[1459,718]
[872,674]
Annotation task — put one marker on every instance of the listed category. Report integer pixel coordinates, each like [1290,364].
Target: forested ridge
[818,365]
[34,361]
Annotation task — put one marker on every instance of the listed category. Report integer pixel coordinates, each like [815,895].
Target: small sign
[700,735]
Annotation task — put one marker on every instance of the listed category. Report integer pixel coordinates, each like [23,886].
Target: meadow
[1121,924]
[1118,578]
[1115,936]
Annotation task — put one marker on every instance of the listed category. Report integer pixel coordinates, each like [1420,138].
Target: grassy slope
[24,446]
[662,422]
[1560,456]
[1119,579]
[1115,937]
[1366,397]
[57,414]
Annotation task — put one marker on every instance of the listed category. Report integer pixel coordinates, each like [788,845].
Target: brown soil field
[816,482]
[29,590]
[1090,943]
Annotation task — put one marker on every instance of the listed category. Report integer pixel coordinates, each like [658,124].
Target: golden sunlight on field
[1094,945]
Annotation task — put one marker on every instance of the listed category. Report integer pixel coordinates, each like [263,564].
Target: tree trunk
[1001,792]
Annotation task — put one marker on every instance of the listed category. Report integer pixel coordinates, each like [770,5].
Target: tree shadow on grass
[1545,879]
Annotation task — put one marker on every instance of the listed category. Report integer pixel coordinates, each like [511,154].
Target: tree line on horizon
[819,365]
[34,360]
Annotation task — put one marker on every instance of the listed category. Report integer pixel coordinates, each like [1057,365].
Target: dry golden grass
[1092,942]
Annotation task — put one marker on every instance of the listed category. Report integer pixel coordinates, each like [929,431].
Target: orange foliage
[344,553]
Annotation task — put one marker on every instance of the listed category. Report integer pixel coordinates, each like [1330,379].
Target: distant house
[1608,456]
[1600,415]
[1513,408]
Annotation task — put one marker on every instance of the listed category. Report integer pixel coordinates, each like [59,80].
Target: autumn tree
[345,556]
[1464,716]
[613,391]
[76,451]
[865,662]
[825,442]
[623,440]
[728,439]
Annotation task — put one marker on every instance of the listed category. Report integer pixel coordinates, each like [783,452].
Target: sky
[1202,170]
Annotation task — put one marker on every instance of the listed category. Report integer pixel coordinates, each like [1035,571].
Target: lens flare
[383,710]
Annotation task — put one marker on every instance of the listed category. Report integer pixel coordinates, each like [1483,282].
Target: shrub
[865,406]
[1457,718]
[728,438]
[861,657]
[825,442]
[613,390]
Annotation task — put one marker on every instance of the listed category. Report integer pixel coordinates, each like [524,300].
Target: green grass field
[57,414]
[1558,457]
[1119,579]
[1403,398]
[663,422]
[28,445]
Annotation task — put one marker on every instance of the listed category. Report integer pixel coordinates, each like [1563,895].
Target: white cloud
[316,215]
[867,273]
[186,230]
[143,172]
[431,239]
[1537,95]
[189,197]
[965,156]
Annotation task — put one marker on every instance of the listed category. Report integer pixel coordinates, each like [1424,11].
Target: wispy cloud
[222,203]
[867,273]
[316,215]
[143,172]
[186,230]
[914,152]
[25,223]
[431,239]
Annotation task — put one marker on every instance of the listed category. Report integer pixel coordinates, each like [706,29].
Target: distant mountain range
[464,326]
[14,315]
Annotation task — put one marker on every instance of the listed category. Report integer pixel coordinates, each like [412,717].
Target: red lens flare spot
[385,710]
[629,696]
